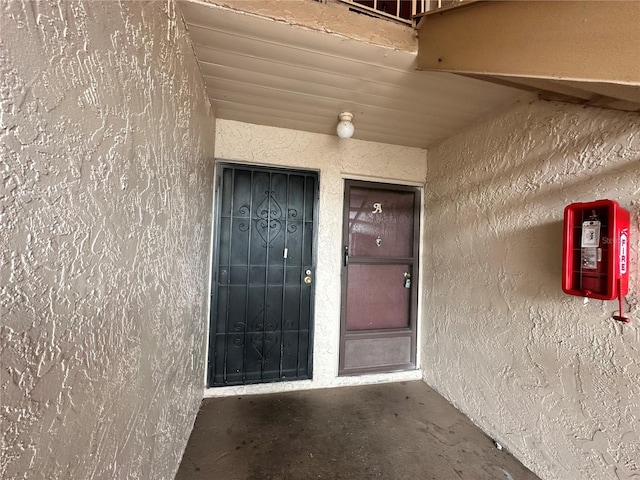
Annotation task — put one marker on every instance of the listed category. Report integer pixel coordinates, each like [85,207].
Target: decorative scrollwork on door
[269,219]
[264,338]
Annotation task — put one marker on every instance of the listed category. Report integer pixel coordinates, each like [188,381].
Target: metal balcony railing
[399,10]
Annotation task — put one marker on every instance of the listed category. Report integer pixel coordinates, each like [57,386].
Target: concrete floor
[391,431]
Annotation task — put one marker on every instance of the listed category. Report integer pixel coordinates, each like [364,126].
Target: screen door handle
[346,256]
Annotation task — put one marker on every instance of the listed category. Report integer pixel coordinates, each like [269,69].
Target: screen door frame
[378,336]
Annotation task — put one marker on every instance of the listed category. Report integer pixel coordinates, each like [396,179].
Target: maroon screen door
[379,278]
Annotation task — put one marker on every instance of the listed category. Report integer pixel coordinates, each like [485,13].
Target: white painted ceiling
[266,72]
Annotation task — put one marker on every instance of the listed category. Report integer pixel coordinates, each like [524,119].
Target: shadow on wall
[534,256]
[499,265]
[555,158]
[551,191]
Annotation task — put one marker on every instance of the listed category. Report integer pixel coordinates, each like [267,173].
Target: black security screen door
[263,276]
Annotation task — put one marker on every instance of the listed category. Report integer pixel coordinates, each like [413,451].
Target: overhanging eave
[591,47]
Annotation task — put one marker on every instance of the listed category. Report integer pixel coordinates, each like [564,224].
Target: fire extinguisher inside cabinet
[592,276]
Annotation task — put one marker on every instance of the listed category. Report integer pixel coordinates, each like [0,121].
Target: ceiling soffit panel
[258,70]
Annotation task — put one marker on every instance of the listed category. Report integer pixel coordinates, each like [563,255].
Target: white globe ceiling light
[345,127]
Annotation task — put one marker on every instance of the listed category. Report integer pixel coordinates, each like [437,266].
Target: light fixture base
[345,117]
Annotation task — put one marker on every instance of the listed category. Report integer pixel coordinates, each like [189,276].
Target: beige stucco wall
[551,377]
[106,153]
[335,160]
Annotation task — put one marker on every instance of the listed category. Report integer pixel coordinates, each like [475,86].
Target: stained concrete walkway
[391,432]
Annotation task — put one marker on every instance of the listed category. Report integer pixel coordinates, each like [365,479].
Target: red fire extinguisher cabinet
[595,261]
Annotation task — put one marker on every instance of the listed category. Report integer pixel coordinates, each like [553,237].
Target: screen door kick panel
[262,315]
[379,278]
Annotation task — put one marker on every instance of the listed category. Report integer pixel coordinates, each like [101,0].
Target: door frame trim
[219,165]
[412,330]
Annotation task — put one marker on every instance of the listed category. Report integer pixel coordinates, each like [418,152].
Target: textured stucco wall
[551,377]
[335,160]
[106,154]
